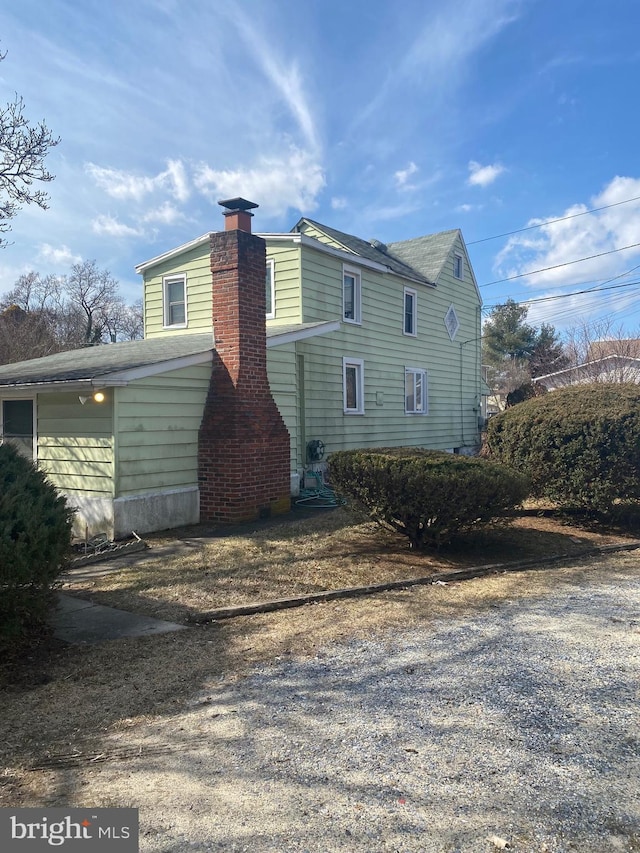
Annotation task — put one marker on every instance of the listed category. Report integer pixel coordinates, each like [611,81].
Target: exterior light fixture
[98,397]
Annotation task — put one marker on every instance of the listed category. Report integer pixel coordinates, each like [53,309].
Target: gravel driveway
[519,724]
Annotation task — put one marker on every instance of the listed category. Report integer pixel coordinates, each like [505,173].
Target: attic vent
[381,247]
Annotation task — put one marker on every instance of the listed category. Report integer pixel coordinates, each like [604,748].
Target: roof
[101,361]
[427,254]
[373,251]
[590,366]
[113,364]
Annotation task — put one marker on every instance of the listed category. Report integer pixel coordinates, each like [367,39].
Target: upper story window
[270,290]
[410,312]
[415,391]
[458,266]
[351,296]
[175,300]
[353,386]
[17,425]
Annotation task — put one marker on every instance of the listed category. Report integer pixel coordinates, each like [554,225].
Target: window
[16,427]
[270,291]
[410,306]
[175,300]
[451,322]
[351,295]
[353,384]
[415,391]
[458,266]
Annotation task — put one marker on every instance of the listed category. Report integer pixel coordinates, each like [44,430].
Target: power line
[551,221]
[594,290]
[597,288]
[558,266]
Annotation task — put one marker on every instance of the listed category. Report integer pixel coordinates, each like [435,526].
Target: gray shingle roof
[103,361]
[100,361]
[389,259]
[427,254]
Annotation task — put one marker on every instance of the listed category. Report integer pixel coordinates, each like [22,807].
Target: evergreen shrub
[580,445]
[429,496]
[35,544]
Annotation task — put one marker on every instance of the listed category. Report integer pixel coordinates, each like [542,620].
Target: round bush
[35,540]
[580,445]
[427,495]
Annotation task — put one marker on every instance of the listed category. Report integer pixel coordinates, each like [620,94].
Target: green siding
[380,342]
[195,263]
[286,260]
[158,420]
[75,443]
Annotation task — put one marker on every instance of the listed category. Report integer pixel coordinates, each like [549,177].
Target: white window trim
[166,280]
[358,363]
[409,291]
[271,309]
[35,421]
[458,259]
[417,371]
[357,296]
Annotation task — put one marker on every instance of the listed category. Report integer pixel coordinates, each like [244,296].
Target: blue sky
[386,120]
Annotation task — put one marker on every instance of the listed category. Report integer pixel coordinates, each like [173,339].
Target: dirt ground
[74,711]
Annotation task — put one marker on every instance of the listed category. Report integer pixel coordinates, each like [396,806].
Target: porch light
[98,397]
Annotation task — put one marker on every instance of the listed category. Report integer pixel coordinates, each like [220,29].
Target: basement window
[175,301]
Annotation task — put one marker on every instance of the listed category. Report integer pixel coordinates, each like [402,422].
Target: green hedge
[35,542]
[580,445]
[427,495]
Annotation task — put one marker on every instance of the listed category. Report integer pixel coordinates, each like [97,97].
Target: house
[608,368]
[209,418]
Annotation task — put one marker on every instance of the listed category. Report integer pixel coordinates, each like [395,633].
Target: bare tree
[44,315]
[23,148]
[94,292]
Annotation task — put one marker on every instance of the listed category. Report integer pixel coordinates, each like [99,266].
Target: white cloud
[482,176]
[276,183]
[402,176]
[166,214]
[109,226]
[119,184]
[339,203]
[287,80]
[59,256]
[554,243]
[130,186]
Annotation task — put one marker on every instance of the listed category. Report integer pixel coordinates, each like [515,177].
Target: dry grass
[306,555]
[84,699]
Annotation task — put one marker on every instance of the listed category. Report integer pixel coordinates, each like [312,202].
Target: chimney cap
[238,204]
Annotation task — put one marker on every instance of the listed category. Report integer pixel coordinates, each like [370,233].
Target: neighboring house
[609,368]
[366,345]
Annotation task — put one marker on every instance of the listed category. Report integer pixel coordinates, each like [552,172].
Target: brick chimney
[243,447]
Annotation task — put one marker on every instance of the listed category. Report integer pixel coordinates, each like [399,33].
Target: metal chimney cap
[238,204]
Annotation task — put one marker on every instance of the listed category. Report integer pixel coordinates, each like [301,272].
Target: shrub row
[427,495]
[35,540]
[579,445]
